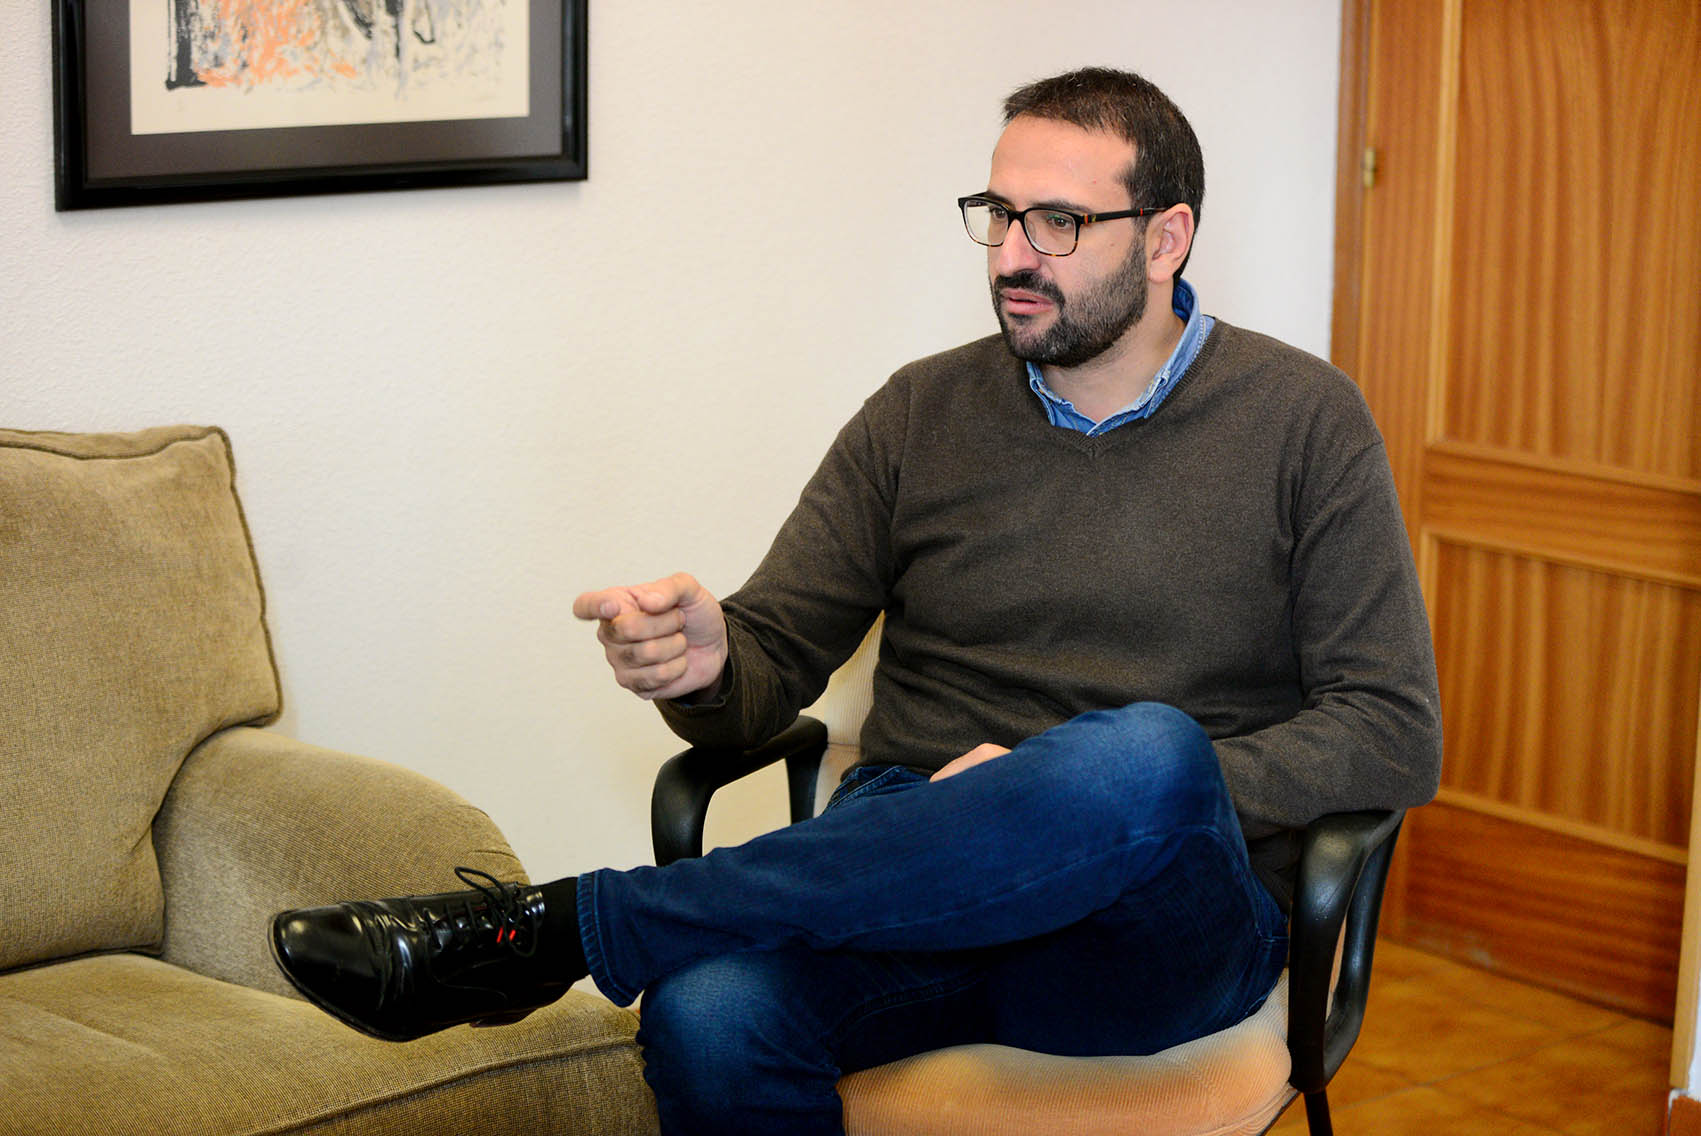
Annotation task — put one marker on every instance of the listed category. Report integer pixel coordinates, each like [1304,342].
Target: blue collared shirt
[1062,412]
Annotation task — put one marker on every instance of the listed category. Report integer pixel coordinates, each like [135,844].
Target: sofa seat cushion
[131,628]
[121,1044]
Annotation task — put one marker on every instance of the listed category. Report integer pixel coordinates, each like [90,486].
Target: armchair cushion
[131,628]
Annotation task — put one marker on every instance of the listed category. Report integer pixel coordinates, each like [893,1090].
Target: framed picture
[161,101]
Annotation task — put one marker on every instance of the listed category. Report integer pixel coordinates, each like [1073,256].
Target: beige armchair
[150,827]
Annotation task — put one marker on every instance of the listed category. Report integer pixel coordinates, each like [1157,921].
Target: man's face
[1065,310]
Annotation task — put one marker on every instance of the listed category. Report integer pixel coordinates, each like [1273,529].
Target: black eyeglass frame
[1020,216]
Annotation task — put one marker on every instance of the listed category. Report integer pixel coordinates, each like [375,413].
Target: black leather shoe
[401,968]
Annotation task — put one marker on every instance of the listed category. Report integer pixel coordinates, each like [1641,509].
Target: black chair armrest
[680,801]
[1343,866]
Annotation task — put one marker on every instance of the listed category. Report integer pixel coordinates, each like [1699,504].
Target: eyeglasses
[1053,232]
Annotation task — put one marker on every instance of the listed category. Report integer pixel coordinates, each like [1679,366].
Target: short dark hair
[1168,169]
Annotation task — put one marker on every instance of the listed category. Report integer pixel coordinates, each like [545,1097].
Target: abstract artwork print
[257,64]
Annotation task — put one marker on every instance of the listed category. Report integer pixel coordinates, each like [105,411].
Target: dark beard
[1087,326]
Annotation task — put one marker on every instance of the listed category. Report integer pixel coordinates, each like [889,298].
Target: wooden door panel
[1575,327]
[1573,692]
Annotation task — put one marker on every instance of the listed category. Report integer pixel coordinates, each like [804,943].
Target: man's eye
[996,212]
[1060,222]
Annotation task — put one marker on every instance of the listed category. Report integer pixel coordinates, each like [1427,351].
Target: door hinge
[1367,167]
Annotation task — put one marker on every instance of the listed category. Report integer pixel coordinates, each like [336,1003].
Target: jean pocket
[867,780]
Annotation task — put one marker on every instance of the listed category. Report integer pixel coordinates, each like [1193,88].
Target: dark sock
[561,939]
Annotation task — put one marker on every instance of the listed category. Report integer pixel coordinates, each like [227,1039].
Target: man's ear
[1169,238]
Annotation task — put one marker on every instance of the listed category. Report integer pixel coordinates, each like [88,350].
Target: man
[1148,604]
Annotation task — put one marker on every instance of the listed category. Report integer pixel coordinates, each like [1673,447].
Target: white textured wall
[455,409]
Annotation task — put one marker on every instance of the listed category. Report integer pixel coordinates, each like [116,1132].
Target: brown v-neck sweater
[1239,555]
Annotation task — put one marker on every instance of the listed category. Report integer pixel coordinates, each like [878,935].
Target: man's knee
[1148,752]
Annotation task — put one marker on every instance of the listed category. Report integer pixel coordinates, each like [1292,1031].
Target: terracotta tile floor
[1448,1049]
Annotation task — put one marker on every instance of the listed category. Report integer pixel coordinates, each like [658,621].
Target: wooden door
[1519,294]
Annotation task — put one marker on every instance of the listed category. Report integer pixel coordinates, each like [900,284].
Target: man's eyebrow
[1056,203]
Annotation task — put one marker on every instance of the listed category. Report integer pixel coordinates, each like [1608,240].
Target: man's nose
[1015,255]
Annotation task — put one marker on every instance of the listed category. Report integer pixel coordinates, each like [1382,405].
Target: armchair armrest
[257,822]
[1343,866]
[680,801]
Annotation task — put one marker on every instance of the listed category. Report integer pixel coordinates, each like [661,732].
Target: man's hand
[665,639]
[985,751]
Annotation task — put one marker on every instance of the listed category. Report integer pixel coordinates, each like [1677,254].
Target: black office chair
[1236,1081]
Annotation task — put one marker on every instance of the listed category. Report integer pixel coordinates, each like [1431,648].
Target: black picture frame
[100,163]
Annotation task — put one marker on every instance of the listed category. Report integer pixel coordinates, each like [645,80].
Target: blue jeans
[1086,893]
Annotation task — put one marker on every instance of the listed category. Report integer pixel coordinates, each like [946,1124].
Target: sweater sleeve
[815,593]
[1369,732]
